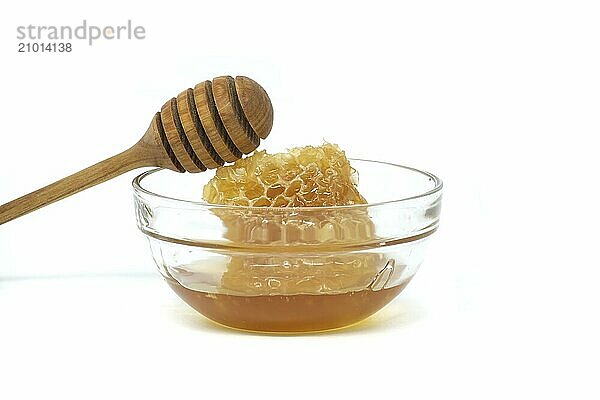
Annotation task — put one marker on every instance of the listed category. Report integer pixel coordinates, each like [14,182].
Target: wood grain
[201,147]
[256,105]
[240,131]
[213,126]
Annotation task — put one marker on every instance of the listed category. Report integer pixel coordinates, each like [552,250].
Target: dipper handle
[91,176]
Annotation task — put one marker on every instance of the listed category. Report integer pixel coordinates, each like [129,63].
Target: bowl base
[287,314]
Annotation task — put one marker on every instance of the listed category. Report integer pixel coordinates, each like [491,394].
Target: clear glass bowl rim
[138,187]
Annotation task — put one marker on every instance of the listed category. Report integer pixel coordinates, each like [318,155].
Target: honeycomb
[288,274]
[304,177]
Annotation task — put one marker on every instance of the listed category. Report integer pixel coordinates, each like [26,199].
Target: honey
[288,313]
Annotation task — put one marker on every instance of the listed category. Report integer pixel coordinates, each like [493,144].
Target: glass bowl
[289,269]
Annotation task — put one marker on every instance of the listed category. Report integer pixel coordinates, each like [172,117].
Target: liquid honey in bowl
[287,313]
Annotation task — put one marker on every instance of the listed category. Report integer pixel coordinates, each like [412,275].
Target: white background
[500,99]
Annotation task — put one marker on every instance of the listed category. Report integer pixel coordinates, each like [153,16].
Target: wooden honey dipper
[200,129]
